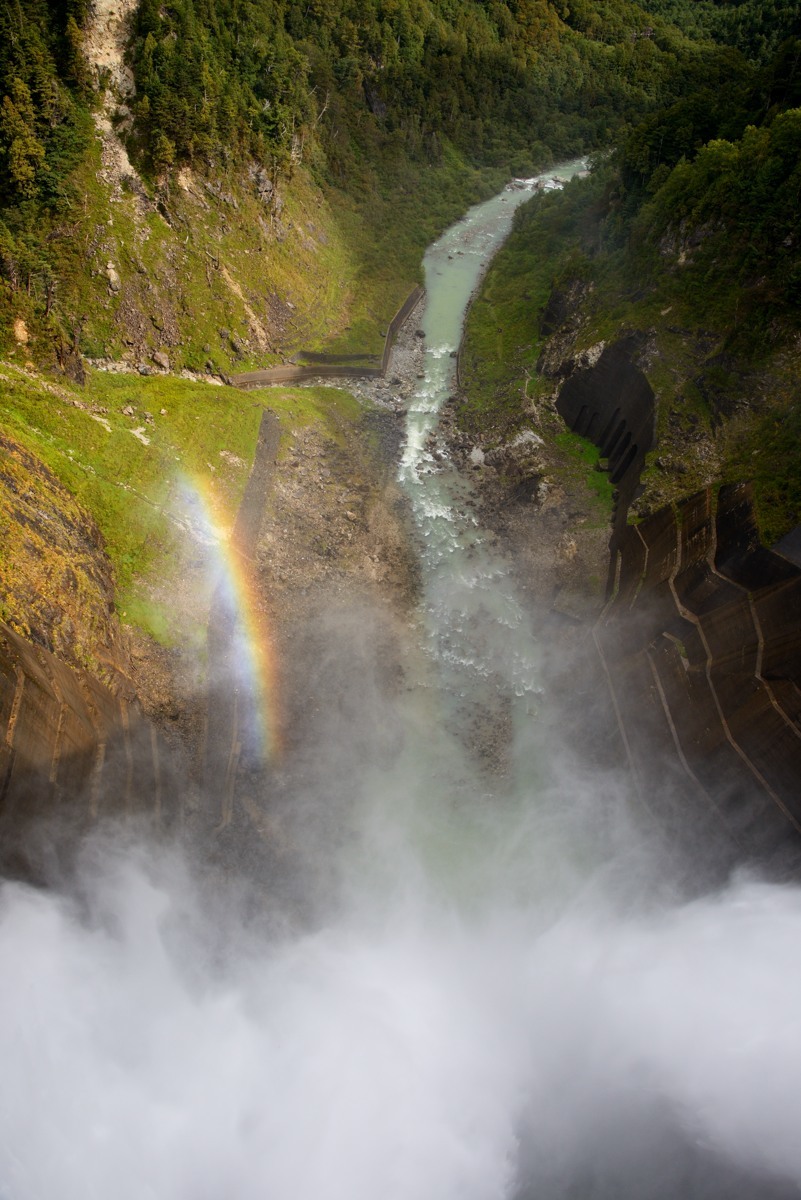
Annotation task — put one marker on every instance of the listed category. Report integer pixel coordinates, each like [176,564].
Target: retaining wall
[326,367]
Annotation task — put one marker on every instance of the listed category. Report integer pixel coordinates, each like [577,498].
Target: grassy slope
[578,458]
[405,207]
[502,333]
[175,297]
[197,435]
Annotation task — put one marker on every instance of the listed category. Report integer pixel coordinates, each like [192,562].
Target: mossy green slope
[139,453]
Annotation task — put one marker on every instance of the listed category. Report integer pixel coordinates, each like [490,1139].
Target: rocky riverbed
[537,502]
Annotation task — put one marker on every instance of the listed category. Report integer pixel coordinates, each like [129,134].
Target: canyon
[446,902]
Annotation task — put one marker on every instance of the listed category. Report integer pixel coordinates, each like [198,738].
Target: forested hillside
[502,81]
[687,238]
[372,102]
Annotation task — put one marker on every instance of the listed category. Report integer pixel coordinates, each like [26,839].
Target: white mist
[428,1049]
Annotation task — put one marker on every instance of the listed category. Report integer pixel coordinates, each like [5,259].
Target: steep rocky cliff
[73,752]
[74,742]
[56,586]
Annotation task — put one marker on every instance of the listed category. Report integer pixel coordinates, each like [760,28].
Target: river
[506,996]
[475,625]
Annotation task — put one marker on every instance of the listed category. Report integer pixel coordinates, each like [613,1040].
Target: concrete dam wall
[70,747]
[702,645]
[700,639]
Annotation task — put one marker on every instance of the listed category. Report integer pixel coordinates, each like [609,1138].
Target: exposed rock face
[56,585]
[609,401]
[557,539]
[73,741]
[692,671]
[104,43]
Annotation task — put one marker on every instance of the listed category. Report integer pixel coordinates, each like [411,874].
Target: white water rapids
[507,998]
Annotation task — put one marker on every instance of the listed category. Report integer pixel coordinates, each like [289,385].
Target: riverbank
[532,493]
[532,498]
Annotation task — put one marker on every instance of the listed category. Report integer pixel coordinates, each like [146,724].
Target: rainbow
[253,661]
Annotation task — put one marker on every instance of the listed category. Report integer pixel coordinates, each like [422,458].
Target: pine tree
[21,152]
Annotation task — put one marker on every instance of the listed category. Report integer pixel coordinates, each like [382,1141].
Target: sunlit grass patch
[582,458]
[125,447]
